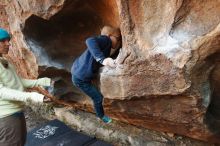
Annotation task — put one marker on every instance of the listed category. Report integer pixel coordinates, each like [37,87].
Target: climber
[12,97]
[84,68]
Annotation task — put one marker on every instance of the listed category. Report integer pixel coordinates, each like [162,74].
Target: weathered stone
[118,133]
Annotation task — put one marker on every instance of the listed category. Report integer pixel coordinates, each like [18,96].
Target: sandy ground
[33,119]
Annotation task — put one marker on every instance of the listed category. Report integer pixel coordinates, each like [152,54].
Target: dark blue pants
[89,89]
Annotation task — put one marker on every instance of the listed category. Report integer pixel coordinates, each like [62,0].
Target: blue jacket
[88,64]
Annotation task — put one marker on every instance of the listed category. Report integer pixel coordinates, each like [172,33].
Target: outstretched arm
[28,83]
[16,95]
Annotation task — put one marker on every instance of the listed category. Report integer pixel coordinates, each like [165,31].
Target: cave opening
[58,41]
[213,112]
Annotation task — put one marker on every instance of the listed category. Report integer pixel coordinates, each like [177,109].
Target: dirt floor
[33,119]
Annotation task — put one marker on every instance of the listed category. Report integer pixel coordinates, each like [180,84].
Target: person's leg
[89,89]
[13,131]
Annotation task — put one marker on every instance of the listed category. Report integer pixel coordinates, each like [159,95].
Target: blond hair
[109,30]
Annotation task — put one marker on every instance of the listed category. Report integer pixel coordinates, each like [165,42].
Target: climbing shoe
[106,119]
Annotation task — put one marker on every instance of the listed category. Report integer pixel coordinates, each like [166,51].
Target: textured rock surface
[119,133]
[169,80]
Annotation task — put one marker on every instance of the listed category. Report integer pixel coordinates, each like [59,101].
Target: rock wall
[168,80]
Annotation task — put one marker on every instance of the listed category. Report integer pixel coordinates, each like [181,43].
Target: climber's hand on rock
[109,62]
[46,99]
